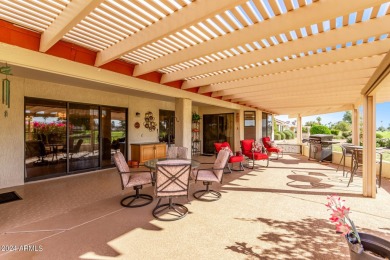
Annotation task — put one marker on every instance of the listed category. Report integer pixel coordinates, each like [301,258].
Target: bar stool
[347,151]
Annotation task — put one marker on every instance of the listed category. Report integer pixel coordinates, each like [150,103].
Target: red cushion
[235,158]
[266,141]
[219,146]
[256,156]
[274,150]
[246,145]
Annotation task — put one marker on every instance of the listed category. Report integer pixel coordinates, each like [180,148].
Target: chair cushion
[206,175]
[274,150]
[139,178]
[257,156]
[257,147]
[219,146]
[246,145]
[236,158]
[266,142]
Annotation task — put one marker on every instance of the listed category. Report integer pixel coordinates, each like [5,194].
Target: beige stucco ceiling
[286,56]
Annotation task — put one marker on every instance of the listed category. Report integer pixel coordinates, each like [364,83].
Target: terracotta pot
[371,243]
[133,164]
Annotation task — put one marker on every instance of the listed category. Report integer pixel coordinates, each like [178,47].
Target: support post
[369,146]
[183,112]
[355,126]
[299,129]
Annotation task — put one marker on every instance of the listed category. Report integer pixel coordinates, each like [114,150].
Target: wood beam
[351,33]
[302,82]
[329,69]
[310,14]
[381,73]
[75,11]
[196,12]
[344,54]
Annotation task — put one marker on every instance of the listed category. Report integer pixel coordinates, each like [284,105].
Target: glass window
[45,138]
[249,124]
[167,126]
[266,124]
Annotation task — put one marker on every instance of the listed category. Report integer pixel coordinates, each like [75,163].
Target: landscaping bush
[319,129]
[288,135]
[277,136]
[382,142]
[379,135]
[291,132]
[346,134]
[282,136]
[335,131]
[349,140]
[388,143]
[305,130]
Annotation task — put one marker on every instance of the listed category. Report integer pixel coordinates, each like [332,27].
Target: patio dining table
[151,164]
[380,151]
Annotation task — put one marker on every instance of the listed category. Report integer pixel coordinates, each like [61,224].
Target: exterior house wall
[12,127]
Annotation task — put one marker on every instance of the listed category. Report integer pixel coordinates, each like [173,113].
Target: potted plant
[195,116]
[361,245]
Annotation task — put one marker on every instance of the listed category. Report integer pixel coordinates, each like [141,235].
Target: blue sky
[382,116]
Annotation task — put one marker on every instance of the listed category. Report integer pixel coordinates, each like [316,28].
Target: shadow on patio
[268,213]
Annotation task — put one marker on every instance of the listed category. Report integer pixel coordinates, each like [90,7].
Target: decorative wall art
[149,121]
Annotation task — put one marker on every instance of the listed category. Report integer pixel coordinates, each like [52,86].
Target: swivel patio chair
[233,158]
[133,180]
[271,147]
[251,154]
[172,180]
[208,176]
[177,152]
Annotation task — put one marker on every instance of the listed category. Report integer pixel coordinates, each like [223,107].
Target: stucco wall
[12,127]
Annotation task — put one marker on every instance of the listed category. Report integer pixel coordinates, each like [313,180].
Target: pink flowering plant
[344,224]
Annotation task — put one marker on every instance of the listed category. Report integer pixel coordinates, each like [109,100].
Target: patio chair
[172,180]
[177,152]
[271,147]
[133,180]
[208,176]
[233,158]
[346,152]
[75,149]
[251,154]
[36,148]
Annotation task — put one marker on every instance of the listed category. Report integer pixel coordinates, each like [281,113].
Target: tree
[319,120]
[311,123]
[381,128]
[342,126]
[347,117]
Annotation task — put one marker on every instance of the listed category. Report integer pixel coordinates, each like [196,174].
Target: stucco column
[183,112]
[355,126]
[259,124]
[299,129]
[369,147]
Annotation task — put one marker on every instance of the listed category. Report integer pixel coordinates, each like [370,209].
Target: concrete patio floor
[267,213]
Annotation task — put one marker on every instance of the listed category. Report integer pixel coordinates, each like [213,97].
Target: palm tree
[319,120]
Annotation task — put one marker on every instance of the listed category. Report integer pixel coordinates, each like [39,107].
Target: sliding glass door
[217,129]
[63,137]
[45,138]
[113,131]
[83,137]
